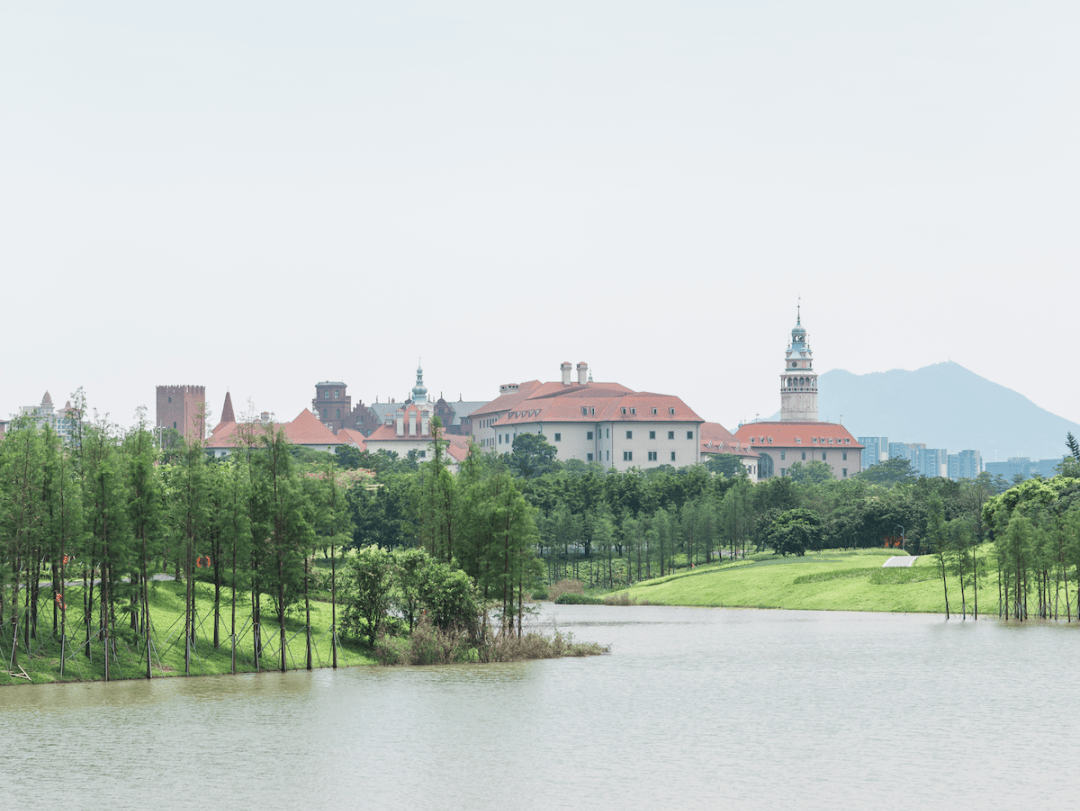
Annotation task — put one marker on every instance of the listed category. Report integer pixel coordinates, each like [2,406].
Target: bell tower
[798,382]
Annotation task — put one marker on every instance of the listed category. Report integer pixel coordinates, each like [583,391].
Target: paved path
[902,562]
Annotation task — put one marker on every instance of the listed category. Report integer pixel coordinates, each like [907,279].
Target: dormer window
[671,410]
[633,410]
[624,410]
[798,439]
[654,411]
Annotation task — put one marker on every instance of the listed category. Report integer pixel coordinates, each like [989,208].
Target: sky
[258,196]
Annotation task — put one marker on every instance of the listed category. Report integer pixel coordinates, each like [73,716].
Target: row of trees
[105,516]
[94,523]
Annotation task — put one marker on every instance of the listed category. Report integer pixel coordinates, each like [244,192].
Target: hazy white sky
[262,195]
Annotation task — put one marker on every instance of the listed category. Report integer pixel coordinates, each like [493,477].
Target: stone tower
[798,382]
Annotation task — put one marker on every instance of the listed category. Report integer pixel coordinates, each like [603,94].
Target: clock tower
[798,382]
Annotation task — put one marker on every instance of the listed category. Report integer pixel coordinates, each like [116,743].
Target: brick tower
[182,408]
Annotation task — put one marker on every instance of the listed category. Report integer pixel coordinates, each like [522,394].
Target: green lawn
[42,662]
[833,580]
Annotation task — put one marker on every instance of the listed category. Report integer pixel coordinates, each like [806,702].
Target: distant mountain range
[944,406]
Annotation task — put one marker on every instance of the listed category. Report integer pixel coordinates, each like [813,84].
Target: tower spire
[798,382]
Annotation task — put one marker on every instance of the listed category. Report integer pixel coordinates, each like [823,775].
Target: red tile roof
[611,406]
[801,435]
[353,437]
[715,438]
[304,430]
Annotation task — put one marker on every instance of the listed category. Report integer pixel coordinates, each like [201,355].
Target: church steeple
[419,392]
[798,382]
[227,410]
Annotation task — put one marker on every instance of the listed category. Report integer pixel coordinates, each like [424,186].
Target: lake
[694,708]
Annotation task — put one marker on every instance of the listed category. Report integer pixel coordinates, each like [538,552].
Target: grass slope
[42,662]
[833,580]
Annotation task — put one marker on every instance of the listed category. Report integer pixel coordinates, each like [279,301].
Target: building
[875,450]
[606,423]
[408,429]
[182,409]
[965,465]
[454,416]
[798,436]
[306,431]
[716,440]
[931,462]
[62,421]
[334,407]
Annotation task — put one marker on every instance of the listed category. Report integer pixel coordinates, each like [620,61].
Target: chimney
[583,373]
[566,367]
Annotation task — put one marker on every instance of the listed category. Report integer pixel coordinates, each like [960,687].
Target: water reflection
[694,708]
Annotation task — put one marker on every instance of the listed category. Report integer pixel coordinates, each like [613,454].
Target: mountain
[944,406]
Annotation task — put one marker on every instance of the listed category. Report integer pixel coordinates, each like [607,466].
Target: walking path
[902,562]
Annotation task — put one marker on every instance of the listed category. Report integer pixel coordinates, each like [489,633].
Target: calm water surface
[694,708]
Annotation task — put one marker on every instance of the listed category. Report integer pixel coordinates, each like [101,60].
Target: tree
[531,456]
[368,588]
[937,533]
[287,518]
[794,531]
[813,472]
[893,471]
[725,464]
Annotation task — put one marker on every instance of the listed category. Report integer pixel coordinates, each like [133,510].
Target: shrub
[570,598]
[564,586]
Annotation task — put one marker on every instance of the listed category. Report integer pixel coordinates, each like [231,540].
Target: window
[823,456]
[673,456]
[783,472]
[558,437]
[654,411]
[783,455]
[624,410]
[689,434]
[592,410]
[804,455]
[633,410]
[337,393]
[423,454]
[608,455]
[845,473]
[671,410]
[628,456]
[584,411]
[500,439]
[326,394]
[588,457]
[670,434]
[588,434]
[170,399]
[607,433]
[337,413]
[174,426]
[652,434]
[629,434]
[652,456]
[324,414]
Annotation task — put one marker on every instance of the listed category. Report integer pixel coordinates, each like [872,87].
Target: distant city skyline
[254,200]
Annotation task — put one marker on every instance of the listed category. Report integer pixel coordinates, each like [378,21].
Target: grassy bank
[833,580]
[41,662]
